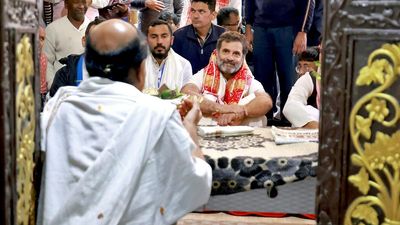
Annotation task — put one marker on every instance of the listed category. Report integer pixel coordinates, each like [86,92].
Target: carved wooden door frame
[19,98]
[355,31]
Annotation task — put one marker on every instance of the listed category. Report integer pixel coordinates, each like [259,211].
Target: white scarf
[96,188]
[170,72]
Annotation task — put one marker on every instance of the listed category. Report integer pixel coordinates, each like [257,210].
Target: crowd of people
[117,155]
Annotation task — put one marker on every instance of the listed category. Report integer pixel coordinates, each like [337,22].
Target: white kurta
[255,86]
[62,39]
[296,109]
[175,71]
[117,156]
[198,79]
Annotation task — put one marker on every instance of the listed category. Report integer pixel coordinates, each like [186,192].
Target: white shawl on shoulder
[172,73]
[102,141]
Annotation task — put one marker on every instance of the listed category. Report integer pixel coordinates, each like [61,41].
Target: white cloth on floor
[225,131]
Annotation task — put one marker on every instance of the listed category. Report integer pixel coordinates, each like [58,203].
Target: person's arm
[138,4]
[296,109]
[259,106]
[208,108]
[151,4]
[191,176]
[121,10]
[190,121]
[232,114]
[305,14]
[178,8]
[249,12]
[49,49]
[249,37]
[98,4]
[311,125]
[249,17]
[187,72]
[236,114]
[60,80]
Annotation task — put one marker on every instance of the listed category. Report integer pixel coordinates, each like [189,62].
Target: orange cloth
[236,87]
[43,67]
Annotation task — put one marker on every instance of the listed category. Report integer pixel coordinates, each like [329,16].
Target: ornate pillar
[19,101]
[359,174]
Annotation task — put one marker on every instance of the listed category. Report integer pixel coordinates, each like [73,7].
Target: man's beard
[233,68]
[160,55]
[79,16]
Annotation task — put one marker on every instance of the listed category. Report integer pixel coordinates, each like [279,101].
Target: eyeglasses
[301,69]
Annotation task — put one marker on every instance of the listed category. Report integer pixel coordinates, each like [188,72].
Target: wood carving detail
[330,138]
[7,113]
[386,18]
[377,154]
[20,13]
[342,16]
[25,132]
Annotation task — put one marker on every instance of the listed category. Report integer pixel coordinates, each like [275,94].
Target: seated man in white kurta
[302,105]
[164,66]
[113,154]
[231,94]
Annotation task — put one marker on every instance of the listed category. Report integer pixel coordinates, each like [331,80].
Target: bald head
[116,50]
[112,35]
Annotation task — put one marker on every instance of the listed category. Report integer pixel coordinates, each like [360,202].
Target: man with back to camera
[113,154]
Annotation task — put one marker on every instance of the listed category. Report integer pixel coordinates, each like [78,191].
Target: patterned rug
[254,161]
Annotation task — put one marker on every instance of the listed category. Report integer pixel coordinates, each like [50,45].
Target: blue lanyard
[160,75]
[79,71]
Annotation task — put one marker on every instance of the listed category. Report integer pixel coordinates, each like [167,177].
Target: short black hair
[97,20]
[224,14]
[311,54]
[115,65]
[169,16]
[211,4]
[157,22]
[231,36]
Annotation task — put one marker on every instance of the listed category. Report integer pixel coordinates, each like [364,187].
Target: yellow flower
[377,109]
[366,213]
[385,149]
[360,180]
[364,126]
[365,77]
[375,73]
